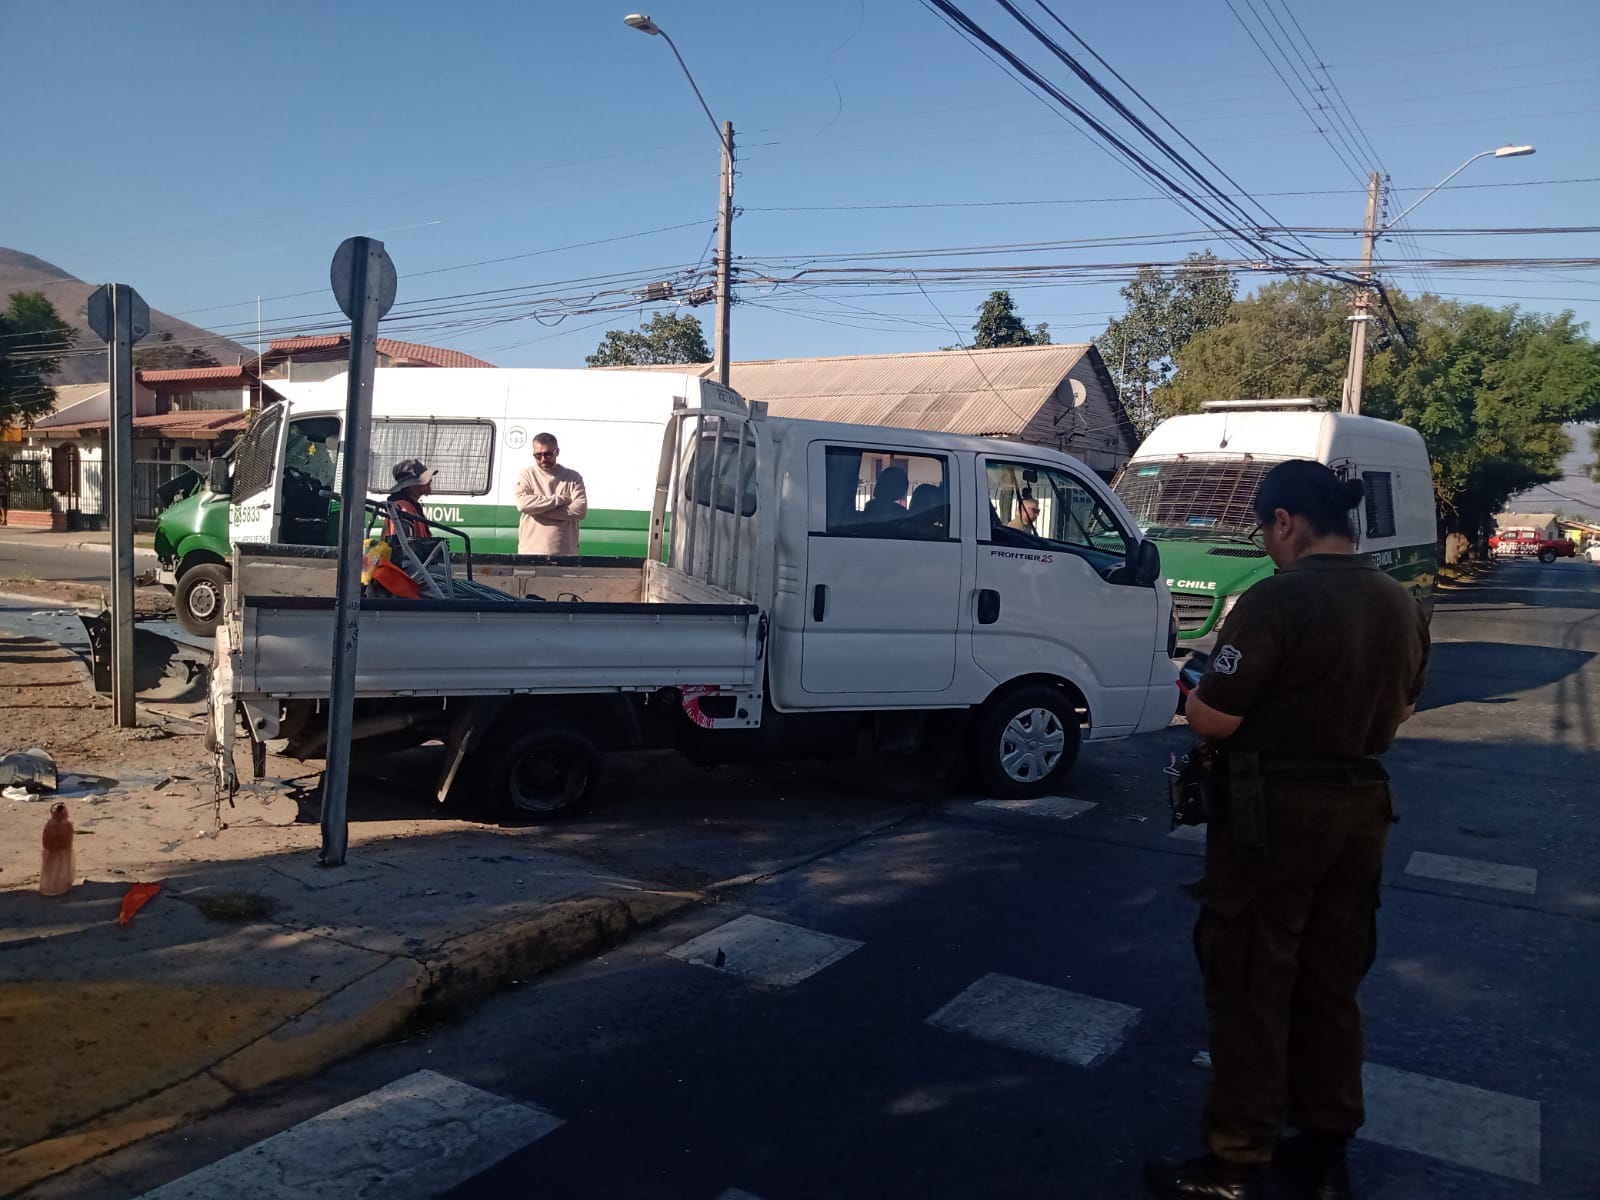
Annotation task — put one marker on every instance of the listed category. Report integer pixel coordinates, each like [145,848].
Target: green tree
[33,342]
[998,325]
[1488,389]
[1165,312]
[665,338]
[167,354]
[1594,444]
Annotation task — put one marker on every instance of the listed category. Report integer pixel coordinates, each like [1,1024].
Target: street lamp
[1356,373]
[720,358]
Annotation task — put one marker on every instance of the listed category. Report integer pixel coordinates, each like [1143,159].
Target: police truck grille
[1193,611]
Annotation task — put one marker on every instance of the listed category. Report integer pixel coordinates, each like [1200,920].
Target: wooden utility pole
[1356,373]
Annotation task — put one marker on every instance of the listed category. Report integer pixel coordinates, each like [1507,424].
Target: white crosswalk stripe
[1062,808]
[416,1138]
[1189,833]
[1455,1122]
[1468,1126]
[1062,1025]
[770,952]
[1475,871]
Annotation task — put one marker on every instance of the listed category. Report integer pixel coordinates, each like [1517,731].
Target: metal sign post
[364,284]
[120,317]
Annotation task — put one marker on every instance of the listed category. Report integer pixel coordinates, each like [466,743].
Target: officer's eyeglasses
[1258,536]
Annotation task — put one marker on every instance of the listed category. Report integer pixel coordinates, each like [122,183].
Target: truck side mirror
[1146,563]
[218,478]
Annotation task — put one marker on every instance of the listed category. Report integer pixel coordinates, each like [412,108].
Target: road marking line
[770,952]
[416,1138]
[1189,833]
[1456,1122]
[1065,1026]
[1063,808]
[1469,1126]
[1474,871]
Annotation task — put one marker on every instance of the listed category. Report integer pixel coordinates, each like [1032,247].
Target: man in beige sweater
[551,500]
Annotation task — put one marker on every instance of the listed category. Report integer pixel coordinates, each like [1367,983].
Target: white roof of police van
[1265,434]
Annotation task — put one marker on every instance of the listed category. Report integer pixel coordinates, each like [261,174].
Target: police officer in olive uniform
[1316,667]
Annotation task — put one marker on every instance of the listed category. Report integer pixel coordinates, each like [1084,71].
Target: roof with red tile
[174,424]
[433,356]
[235,374]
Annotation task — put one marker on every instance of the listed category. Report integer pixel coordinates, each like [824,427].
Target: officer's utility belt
[1230,787]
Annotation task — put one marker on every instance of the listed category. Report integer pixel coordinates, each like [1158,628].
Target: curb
[365,1012]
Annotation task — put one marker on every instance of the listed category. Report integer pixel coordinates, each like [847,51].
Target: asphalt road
[22,561]
[979,1002]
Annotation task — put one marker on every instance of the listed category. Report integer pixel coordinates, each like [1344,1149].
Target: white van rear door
[883,573]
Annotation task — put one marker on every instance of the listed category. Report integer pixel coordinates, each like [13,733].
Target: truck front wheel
[543,772]
[1026,742]
[199,597]
[1547,555]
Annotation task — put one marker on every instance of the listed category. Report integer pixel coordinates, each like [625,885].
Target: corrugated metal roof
[952,391]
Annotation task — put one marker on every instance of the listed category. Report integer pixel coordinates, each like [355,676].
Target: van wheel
[199,598]
[1547,556]
[1026,742]
[544,772]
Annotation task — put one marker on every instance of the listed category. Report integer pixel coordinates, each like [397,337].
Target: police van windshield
[1194,496]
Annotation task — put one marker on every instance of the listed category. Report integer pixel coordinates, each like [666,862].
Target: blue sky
[211,154]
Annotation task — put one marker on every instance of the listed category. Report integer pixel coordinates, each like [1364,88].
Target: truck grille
[1193,611]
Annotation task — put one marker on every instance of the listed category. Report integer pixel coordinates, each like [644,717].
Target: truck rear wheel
[1026,742]
[1547,555]
[199,597]
[543,772]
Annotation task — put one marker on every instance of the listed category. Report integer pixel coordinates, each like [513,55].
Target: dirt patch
[148,602]
[237,908]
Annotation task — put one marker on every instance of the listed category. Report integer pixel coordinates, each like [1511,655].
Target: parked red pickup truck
[1527,543]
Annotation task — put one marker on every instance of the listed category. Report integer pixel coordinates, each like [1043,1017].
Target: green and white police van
[474,426]
[1191,484]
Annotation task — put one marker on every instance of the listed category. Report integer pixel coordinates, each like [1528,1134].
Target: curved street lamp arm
[1393,221]
[692,83]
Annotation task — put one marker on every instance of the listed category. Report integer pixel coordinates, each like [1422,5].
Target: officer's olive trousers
[1284,940]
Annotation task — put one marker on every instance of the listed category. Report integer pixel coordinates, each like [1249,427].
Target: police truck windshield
[1194,496]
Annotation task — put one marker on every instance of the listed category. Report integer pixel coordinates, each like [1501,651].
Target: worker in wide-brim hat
[413,479]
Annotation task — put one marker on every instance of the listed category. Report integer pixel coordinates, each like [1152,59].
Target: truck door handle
[819,601]
[988,606]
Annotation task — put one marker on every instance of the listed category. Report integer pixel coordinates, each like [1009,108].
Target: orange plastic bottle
[57,868]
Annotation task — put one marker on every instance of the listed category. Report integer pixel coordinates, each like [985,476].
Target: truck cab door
[257,479]
[1056,592]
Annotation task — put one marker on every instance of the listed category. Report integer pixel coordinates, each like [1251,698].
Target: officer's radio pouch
[1247,801]
[1194,787]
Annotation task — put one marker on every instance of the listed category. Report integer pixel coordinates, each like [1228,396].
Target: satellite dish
[1079,392]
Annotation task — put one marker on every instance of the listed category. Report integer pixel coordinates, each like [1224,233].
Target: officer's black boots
[1205,1178]
[1315,1164]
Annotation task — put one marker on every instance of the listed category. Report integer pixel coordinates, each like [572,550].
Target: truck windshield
[1194,496]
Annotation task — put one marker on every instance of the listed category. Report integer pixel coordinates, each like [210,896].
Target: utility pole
[119,315]
[724,255]
[1356,373]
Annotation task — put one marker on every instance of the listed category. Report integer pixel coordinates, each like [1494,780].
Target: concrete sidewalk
[253,965]
[83,539]
[241,974]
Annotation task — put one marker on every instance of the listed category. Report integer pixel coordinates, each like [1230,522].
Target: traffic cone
[57,869]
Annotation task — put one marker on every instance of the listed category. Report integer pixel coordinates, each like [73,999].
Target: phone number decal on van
[1022,554]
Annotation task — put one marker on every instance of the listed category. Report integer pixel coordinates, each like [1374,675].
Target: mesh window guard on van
[1192,493]
[1380,503]
[458,449]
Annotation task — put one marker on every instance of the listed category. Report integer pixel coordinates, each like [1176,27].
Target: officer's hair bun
[1302,487]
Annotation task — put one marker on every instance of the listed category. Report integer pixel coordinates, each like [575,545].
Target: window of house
[883,494]
[461,451]
[1048,508]
[1379,502]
